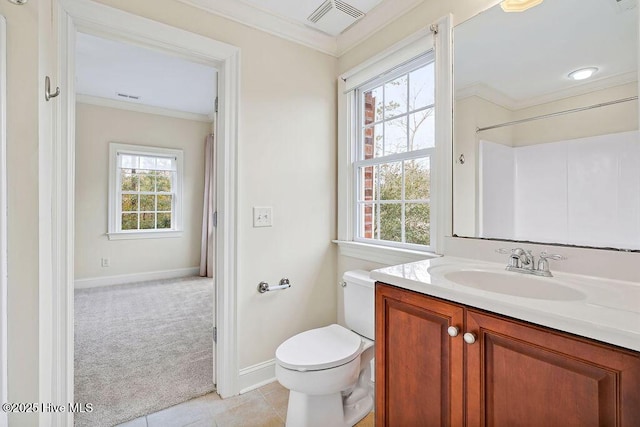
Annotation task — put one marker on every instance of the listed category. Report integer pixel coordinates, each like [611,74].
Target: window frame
[114,231]
[427,153]
[437,37]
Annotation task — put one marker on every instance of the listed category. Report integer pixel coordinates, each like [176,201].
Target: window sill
[144,235]
[381,254]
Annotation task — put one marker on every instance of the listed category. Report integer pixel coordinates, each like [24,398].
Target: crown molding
[294,31]
[141,108]
[495,96]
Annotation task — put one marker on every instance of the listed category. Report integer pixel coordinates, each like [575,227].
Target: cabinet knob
[453,331]
[469,338]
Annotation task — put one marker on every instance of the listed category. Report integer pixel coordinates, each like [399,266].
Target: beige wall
[287,160]
[96,127]
[22,179]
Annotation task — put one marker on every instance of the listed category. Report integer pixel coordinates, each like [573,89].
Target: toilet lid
[321,348]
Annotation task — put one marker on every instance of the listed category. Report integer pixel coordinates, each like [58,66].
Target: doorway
[91,18]
[143,317]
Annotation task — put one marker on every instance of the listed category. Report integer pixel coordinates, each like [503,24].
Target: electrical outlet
[105,262]
[262,216]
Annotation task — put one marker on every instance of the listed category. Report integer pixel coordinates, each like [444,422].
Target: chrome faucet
[523,261]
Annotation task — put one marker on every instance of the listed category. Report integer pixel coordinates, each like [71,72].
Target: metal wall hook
[19,2]
[47,89]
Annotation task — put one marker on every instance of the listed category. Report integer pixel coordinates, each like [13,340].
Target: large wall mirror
[546,142]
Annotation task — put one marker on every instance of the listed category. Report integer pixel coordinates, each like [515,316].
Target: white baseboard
[95,282]
[258,375]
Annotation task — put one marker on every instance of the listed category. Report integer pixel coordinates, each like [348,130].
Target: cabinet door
[419,370]
[523,375]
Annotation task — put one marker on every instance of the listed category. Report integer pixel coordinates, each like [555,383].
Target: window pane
[367,216]
[391,222]
[130,221]
[163,181]
[417,179]
[395,136]
[373,138]
[164,163]
[129,181]
[148,163]
[367,183]
[164,220]
[390,176]
[129,202]
[147,221]
[373,105]
[422,130]
[147,181]
[417,223]
[128,161]
[164,203]
[147,202]
[395,97]
[421,87]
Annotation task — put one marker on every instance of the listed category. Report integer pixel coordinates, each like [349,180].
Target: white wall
[473,112]
[497,190]
[584,191]
[96,127]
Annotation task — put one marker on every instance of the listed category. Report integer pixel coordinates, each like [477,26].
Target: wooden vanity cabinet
[514,374]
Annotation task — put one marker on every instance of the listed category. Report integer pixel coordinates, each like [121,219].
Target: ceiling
[525,57]
[106,68]
[288,19]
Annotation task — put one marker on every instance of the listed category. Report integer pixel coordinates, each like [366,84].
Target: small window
[393,162]
[145,194]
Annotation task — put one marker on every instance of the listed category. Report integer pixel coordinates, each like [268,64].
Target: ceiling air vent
[334,16]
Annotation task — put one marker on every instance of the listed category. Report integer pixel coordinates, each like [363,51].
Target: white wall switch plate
[262,216]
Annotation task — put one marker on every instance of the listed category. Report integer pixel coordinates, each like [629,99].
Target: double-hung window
[145,191]
[394,151]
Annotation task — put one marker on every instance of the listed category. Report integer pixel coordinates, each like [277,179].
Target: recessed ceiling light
[582,73]
[518,5]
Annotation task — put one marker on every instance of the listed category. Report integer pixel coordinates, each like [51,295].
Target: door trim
[93,18]
[4,421]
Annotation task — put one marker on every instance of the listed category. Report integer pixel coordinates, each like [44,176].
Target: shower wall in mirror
[548,158]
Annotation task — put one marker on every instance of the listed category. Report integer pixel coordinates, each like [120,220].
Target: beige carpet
[142,347]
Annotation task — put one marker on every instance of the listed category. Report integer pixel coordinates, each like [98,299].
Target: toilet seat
[319,349]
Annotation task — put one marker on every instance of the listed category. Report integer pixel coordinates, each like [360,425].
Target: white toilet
[328,370]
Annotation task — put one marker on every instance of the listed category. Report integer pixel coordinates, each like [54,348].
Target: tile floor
[264,407]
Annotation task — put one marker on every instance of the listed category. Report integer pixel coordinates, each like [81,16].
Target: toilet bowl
[328,370]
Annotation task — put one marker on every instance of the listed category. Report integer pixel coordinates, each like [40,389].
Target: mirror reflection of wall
[549,158]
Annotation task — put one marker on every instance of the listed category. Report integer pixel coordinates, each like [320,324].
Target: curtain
[207,248]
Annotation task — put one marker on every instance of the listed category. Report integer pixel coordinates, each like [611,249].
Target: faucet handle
[557,257]
[543,263]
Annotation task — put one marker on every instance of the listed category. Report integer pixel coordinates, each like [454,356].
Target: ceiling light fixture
[582,73]
[518,5]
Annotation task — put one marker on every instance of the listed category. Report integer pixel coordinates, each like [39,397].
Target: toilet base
[306,410]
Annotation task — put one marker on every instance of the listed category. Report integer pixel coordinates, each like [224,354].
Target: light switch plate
[262,216]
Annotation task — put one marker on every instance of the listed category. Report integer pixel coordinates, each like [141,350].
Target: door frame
[4,420]
[97,19]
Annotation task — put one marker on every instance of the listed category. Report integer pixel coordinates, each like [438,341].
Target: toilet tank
[359,302]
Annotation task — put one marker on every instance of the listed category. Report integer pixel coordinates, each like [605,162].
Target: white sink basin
[515,284]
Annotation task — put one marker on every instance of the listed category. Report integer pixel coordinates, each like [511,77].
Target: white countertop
[606,310]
